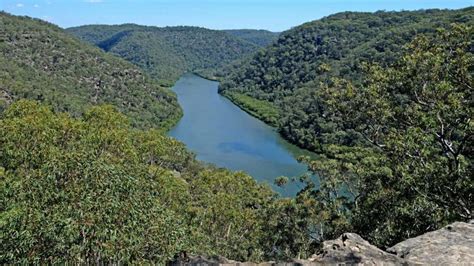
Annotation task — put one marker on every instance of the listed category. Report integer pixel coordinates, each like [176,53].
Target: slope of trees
[412,169]
[166,53]
[288,72]
[96,189]
[40,61]
[259,37]
[386,101]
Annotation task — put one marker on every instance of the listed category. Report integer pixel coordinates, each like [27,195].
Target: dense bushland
[410,167]
[259,37]
[40,61]
[288,73]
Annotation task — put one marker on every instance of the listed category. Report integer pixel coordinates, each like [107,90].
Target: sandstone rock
[183,259]
[219,260]
[451,245]
[350,248]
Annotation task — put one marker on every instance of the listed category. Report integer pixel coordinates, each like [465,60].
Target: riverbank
[221,133]
[204,76]
[261,110]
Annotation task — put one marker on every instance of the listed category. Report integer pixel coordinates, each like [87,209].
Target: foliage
[261,109]
[234,222]
[259,37]
[97,190]
[289,72]
[167,53]
[40,61]
[75,190]
[412,171]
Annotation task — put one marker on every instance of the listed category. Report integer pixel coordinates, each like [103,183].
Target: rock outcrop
[451,245]
[183,259]
[350,248]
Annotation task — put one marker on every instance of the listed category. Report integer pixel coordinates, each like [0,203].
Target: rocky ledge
[451,245]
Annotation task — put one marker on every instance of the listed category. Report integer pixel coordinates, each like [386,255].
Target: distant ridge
[259,37]
[168,52]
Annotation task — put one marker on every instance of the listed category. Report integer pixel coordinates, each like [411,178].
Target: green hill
[41,61]
[259,37]
[286,74]
[386,101]
[166,53]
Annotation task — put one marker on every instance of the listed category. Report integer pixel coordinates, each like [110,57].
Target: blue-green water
[218,132]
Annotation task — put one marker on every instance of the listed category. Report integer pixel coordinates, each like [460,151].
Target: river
[219,132]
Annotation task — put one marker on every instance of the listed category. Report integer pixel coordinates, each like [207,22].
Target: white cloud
[20,5]
[36,5]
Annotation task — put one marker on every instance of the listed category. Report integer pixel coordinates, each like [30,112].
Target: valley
[166,53]
[135,144]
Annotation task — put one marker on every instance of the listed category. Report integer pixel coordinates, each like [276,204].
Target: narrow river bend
[219,132]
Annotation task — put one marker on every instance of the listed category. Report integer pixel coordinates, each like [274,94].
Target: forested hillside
[287,74]
[407,165]
[259,37]
[386,99]
[166,53]
[40,61]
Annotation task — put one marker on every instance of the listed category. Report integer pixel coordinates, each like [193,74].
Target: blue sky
[276,15]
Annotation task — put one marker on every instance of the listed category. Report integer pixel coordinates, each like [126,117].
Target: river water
[219,132]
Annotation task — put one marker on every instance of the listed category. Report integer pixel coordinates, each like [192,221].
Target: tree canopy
[259,37]
[40,61]
[411,170]
[288,73]
[95,189]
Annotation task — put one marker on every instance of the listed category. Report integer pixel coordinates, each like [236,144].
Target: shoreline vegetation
[210,78]
[261,110]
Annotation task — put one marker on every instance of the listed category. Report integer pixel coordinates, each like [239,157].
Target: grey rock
[219,260]
[183,259]
[451,245]
[176,174]
[350,248]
